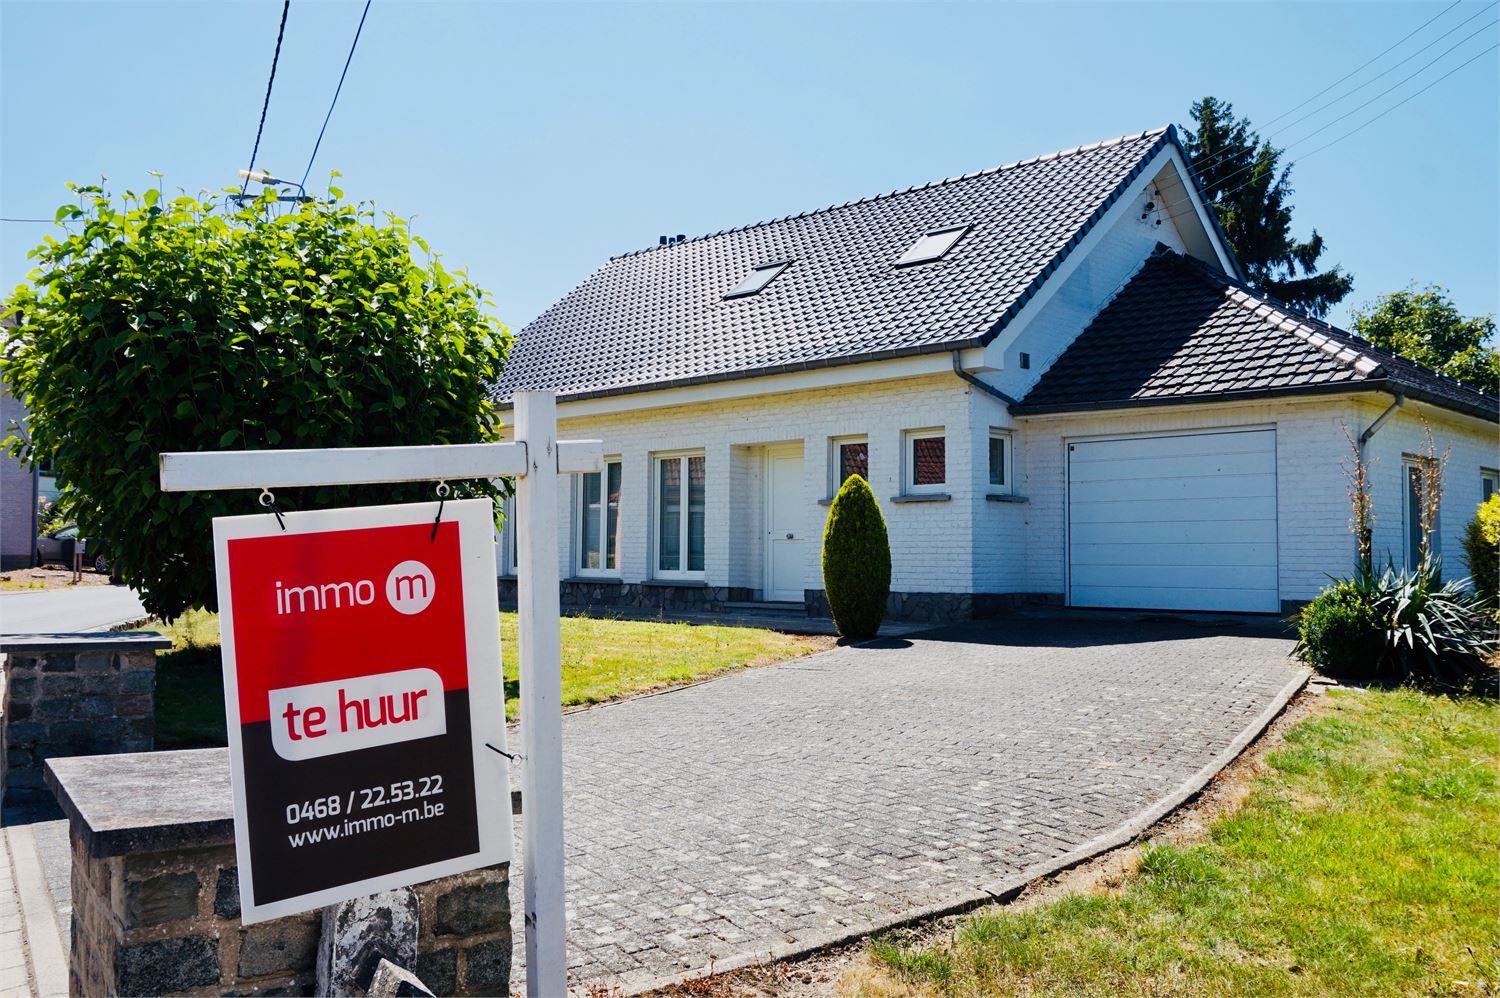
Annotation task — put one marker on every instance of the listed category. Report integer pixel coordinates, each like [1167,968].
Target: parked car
[57,548]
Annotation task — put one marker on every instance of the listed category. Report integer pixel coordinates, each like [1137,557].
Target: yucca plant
[1429,629]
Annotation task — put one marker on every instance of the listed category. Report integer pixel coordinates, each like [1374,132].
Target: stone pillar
[156,906]
[70,695]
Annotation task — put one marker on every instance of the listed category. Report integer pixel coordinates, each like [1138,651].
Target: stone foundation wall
[168,922]
[70,695]
[579,594]
[941,608]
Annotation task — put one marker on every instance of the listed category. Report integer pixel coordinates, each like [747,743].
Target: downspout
[1374,427]
[1366,548]
[990,390]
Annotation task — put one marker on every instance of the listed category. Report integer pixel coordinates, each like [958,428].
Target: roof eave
[760,372]
[1383,385]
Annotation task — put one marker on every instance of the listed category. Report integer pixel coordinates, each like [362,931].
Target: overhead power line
[270,82]
[1214,161]
[1355,71]
[336,91]
[1224,192]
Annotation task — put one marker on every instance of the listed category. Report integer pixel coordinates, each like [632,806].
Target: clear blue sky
[532,141]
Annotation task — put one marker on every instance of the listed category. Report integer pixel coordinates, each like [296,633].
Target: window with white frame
[598,529]
[680,481]
[850,456]
[505,554]
[1000,462]
[926,461]
[1416,470]
[1489,483]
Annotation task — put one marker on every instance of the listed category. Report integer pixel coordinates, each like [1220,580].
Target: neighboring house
[1052,374]
[18,489]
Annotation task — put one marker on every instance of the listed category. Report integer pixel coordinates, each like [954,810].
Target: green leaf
[228,437]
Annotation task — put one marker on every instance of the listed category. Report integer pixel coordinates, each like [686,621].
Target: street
[54,610]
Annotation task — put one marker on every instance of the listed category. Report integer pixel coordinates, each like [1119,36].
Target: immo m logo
[409,588]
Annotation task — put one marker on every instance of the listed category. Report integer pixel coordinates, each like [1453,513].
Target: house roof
[1181,332]
[657,318]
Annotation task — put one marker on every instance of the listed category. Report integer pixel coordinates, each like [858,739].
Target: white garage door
[1176,523]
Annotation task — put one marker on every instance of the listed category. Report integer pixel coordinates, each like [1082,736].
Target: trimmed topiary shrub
[1340,634]
[1482,550]
[856,561]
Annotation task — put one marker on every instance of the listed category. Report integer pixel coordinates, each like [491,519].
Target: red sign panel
[362,682]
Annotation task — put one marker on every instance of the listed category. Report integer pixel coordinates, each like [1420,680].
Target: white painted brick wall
[930,546]
[1313,536]
[1470,445]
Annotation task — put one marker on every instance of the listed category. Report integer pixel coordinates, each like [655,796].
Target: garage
[1174,522]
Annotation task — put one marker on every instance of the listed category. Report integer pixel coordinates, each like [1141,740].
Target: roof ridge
[1287,319]
[1157,132]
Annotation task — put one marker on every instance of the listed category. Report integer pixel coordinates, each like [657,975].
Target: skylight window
[932,246]
[757,279]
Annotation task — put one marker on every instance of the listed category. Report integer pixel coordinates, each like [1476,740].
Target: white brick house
[1050,372]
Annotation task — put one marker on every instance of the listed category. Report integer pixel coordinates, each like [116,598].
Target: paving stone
[858,784]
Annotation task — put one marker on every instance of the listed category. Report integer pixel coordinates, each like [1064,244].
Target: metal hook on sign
[269,500]
[442,494]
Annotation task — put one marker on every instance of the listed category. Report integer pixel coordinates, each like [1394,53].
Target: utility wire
[270,82]
[1363,65]
[1219,157]
[1226,191]
[45,221]
[1390,69]
[336,91]
[1208,204]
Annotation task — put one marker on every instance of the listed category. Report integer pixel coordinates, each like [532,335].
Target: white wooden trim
[540,641]
[270,469]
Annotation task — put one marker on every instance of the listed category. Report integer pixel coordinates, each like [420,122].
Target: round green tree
[856,561]
[154,325]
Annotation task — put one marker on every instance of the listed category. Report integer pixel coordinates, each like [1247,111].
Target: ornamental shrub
[155,324]
[856,561]
[1482,550]
[1428,629]
[1339,632]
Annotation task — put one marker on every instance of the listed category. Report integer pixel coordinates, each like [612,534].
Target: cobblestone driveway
[780,806]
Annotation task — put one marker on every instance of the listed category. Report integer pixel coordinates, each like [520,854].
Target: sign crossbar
[206,471]
[534,459]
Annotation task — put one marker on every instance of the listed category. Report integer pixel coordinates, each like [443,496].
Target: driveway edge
[1006,887]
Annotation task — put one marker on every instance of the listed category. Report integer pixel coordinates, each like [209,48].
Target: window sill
[675,583]
[596,580]
[923,497]
[1005,497]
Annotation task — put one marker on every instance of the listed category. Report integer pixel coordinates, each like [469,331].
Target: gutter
[990,390]
[1374,427]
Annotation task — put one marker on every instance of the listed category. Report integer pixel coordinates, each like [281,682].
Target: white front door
[786,549]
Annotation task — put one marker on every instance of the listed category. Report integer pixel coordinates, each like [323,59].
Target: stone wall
[156,906]
[581,594]
[941,608]
[168,922]
[69,695]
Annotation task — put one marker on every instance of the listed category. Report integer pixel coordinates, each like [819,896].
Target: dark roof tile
[657,317]
[1179,330]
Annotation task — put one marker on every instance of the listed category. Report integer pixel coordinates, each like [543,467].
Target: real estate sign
[362,684]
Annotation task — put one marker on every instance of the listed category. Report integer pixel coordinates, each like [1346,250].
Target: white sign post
[536,459]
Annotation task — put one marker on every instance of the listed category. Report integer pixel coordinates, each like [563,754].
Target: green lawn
[1365,861]
[602,660]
